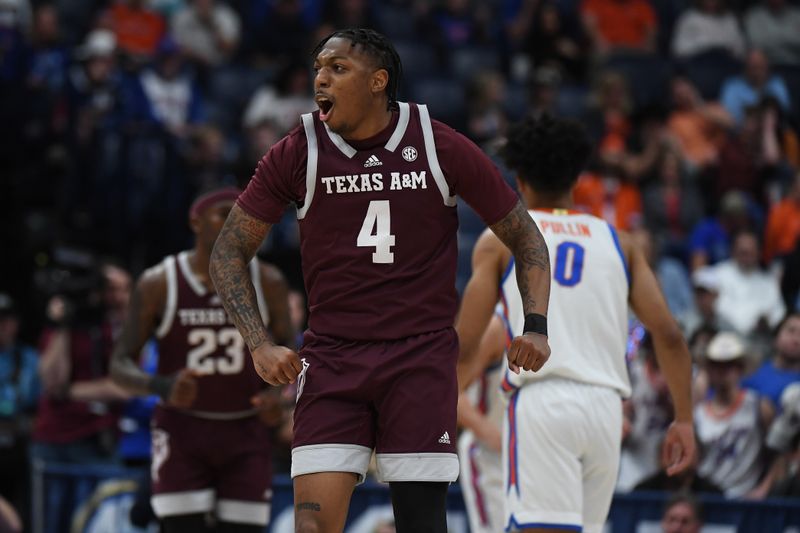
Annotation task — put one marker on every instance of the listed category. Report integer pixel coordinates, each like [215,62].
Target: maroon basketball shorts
[397,398]
[202,465]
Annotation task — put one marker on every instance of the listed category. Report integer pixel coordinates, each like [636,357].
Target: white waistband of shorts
[417,467]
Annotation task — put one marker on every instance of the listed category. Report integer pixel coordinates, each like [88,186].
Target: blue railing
[96,499]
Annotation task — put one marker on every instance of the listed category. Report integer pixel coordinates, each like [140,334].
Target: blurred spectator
[699,127]
[208,32]
[550,42]
[740,92]
[782,478]
[687,481]
[259,136]
[459,23]
[682,514]
[138,29]
[672,205]
[77,416]
[543,91]
[707,26]
[710,240]
[703,315]
[783,225]
[283,36]
[282,104]
[19,393]
[783,368]
[772,26]
[620,25]
[790,279]
[486,119]
[648,412]
[607,195]
[730,424]
[49,57]
[349,14]
[749,298]
[206,159]
[608,116]
[174,101]
[671,273]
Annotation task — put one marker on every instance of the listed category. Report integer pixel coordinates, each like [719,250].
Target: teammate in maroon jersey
[210,449]
[374,182]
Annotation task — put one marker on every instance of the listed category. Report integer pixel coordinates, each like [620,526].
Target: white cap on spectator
[706,278]
[99,43]
[726,346]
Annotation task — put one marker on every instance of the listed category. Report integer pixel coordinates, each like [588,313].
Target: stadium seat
[466,62]
[647,76]
[419,59]
[516,101]
[571,101]
[445,99]
[709,70]
[395,22]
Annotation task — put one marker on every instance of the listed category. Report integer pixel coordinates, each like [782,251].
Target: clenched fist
[529,351]
[277,365]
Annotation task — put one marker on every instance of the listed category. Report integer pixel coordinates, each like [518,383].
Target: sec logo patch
[409,153]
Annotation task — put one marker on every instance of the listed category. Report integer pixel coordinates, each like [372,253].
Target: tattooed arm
[235,247]
[532,263]
[531,259]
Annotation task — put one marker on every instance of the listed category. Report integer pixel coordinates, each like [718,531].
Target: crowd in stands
[115,113]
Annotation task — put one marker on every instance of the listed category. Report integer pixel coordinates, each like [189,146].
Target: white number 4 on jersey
[376,232]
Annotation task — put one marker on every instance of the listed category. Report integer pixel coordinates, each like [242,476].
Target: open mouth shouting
[325,104]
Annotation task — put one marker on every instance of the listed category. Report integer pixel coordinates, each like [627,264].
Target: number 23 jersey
[195,332]
[378,220]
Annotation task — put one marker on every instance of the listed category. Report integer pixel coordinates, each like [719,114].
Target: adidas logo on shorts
[445,438]
[373,161]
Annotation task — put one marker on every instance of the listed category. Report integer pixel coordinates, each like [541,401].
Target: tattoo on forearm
[308,506]
[518,231]
[235,246]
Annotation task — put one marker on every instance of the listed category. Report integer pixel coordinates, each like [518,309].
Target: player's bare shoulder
[151,287]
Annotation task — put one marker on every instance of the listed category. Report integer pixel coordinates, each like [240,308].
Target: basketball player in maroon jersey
[374,182]
[211,450]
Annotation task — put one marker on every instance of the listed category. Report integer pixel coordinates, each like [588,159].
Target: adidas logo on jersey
[373,161]
[445,438]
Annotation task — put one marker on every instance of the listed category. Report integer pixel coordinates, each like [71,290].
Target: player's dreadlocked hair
[377,46]
[547,153]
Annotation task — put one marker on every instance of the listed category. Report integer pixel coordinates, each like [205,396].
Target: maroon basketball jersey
[195,332]
[378,220]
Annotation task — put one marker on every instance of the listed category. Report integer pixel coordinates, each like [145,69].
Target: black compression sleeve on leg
[419,507]
[185,523]
[231,527]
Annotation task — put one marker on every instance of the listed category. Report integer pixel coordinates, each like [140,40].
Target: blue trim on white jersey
[621,255]
[508,271]
[512,523]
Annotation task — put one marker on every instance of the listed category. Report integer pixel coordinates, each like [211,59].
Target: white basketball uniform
[563,426]
[481,476]
[731,444]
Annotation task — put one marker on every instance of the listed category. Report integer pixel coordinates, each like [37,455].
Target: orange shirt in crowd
[138,31]
[624,23]
[695,136]
[618,203]
[783,228]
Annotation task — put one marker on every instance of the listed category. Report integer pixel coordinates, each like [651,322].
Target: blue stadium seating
[709,70]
